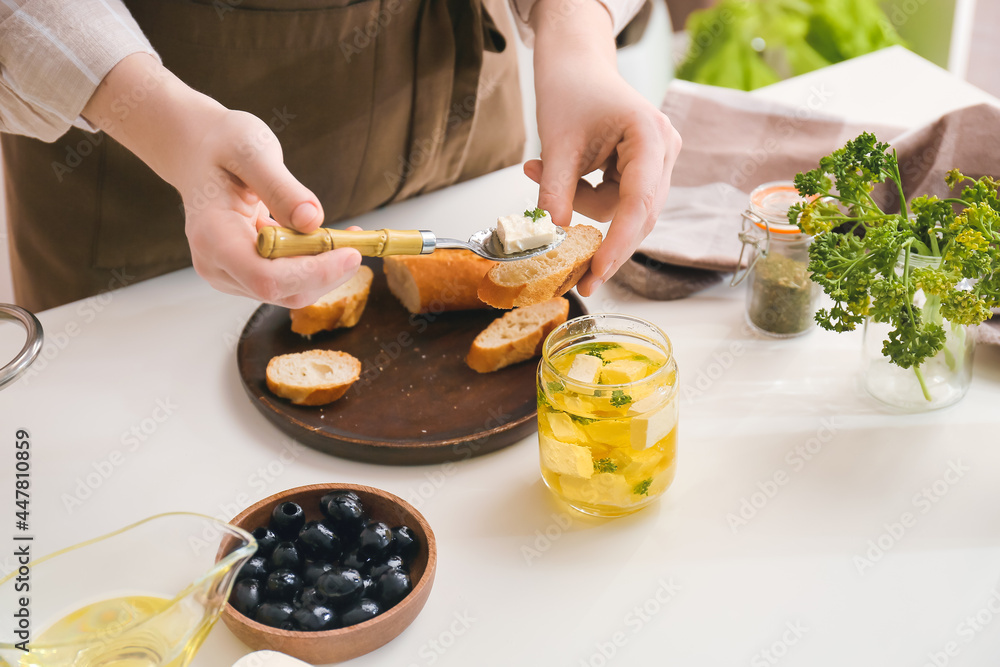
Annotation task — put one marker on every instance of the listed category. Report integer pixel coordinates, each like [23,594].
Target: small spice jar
[781,296]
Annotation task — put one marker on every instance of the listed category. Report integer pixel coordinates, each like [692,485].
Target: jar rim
[917,260]
[770,202]
[663,345]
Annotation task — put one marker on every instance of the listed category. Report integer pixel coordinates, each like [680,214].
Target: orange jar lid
[770,202]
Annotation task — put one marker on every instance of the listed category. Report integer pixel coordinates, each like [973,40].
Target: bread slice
[443,280]
[315,377]
[542,277]
[516,336]
[338,308]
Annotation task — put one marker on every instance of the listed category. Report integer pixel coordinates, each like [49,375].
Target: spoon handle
[275,242]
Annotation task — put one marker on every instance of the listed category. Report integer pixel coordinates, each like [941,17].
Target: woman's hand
[236,183]
[590,118]
[228,167]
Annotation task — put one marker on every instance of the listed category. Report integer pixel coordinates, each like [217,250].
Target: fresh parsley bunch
[856,246]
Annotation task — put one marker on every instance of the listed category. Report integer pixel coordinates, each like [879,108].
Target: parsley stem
[923,385]
[960,202]
[922,248]
[906,282]
[898,180]
[874,205]
[909,309]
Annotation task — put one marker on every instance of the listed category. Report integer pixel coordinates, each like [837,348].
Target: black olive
[356,561]
[405,543]
[314,617]
[369,585]
[266,541]
[319,541]
[276,614]
[287,520]
[313,569]
[310,595]
[247,596]
[359,612]
[392,587]
[393,562]
[283,585]
[343,512]
[286,557]
[255,568]
[341,586]
[375,539]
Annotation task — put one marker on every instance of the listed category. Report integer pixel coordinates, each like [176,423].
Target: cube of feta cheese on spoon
[518,233]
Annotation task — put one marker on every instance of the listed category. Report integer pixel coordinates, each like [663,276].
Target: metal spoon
[275,242]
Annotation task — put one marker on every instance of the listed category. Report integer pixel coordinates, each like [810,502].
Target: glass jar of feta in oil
[781,296]
[607,413]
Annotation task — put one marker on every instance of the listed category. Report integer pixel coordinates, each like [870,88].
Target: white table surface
[674,584]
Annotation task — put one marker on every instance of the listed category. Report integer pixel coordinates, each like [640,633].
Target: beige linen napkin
[734,137]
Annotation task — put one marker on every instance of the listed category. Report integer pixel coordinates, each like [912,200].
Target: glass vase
[939,381]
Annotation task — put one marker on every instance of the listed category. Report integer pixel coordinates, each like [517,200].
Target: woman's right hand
[238,181]
[229,169]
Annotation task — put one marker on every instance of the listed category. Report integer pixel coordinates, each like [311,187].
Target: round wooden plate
[416,402]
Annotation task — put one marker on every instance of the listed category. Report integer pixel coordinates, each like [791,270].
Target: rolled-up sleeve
[622,11]
[53,55]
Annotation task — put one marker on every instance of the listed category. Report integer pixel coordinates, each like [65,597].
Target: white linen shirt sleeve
[53,55]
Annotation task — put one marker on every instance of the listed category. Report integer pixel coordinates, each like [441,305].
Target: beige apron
[373,101]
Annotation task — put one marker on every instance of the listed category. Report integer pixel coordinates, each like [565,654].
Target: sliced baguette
[516,336]
[316,377]
[339,308]
[542,277]
[443,280]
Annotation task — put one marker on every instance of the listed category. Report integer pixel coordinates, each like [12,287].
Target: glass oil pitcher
[143,596]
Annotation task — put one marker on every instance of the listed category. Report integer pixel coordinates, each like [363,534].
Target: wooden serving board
[416,402]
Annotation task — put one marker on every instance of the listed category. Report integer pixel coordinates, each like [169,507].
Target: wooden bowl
[356,640]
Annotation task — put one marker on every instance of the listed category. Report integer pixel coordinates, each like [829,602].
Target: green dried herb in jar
[781,296]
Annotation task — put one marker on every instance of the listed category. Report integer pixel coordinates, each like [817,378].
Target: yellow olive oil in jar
[607,413]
